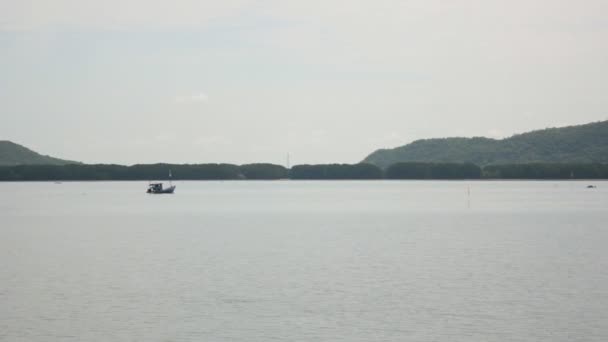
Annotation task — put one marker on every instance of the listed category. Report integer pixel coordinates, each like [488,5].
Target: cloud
[117,14]
[165,137]
[495,133]
[200,97]
[211,142]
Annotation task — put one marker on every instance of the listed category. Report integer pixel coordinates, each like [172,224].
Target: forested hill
[573,144]
[14,154]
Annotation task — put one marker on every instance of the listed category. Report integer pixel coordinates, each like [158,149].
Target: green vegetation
[433,171]
[546,171]
[575,152]
[185,171]
[263,171]
[141,172]
[584,144]
[14,154]
[336,171]
[299,172]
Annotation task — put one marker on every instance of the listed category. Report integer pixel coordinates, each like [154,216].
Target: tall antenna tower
[288,161]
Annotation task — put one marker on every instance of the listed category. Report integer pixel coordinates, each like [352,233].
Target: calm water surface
[304,261]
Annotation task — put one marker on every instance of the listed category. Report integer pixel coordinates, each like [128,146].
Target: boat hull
[168,190]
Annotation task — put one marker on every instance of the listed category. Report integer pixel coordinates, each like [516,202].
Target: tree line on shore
[408,170]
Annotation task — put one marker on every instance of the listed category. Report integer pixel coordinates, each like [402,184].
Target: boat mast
[170,184]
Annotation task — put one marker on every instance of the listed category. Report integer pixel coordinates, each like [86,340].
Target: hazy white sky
[138,81]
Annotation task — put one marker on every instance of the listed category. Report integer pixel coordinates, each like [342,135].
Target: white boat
[157,188]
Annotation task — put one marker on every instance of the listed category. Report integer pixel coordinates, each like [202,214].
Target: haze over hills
[586,143]
[12,154]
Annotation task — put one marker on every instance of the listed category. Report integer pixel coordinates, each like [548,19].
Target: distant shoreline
[362,171]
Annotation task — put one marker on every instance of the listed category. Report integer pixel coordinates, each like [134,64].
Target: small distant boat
[157,188]
[591,186]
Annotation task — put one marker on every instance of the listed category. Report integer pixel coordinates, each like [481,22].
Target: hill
[573,144]
[12,154]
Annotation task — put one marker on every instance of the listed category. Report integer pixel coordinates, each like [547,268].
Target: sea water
[304,261]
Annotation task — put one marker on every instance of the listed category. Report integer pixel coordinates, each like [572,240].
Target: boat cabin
[155,187]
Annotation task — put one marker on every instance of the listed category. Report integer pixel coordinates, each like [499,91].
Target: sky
[196,81]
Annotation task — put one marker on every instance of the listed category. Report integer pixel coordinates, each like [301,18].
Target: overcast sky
[191,81]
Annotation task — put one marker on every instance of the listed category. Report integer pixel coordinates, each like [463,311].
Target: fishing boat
[157,188]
